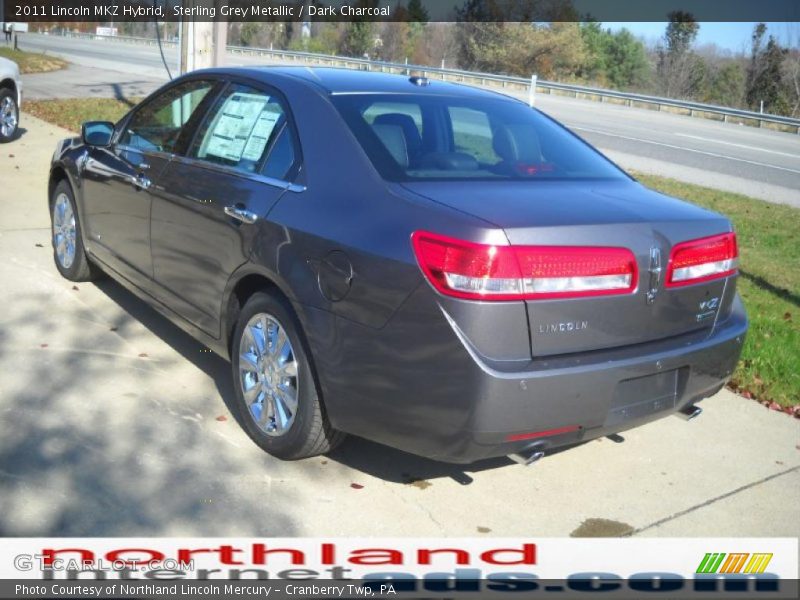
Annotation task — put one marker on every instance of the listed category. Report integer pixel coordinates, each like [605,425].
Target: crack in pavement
[691,509]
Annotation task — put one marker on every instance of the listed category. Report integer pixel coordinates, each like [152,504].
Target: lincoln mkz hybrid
[431,266]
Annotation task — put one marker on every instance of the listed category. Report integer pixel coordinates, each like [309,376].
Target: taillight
[701,260]
[491,272]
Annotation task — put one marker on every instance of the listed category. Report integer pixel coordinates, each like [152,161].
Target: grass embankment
[71,112]
[769,248]
[33,62]
[769,282]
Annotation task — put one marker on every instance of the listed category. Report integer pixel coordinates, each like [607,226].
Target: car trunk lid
[619,214]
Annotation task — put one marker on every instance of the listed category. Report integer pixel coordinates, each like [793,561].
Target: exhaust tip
[527,456]
[689,412]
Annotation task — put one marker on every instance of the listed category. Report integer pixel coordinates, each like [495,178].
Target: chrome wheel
[64,232]
[268,374]
[8,117]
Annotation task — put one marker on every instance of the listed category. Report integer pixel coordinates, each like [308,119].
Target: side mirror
[97,133]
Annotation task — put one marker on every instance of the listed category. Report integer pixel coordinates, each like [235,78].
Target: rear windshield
[415,138]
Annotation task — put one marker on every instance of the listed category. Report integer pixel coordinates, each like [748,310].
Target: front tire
[277,398]
[9,115]
[69,253]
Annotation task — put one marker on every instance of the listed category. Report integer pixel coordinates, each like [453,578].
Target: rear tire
[9,115]
[69,253]
[278,401]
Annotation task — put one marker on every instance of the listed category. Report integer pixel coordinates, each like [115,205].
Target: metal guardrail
[549,87]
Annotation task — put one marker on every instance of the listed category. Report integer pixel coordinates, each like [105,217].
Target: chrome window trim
[270,181]
[157,153]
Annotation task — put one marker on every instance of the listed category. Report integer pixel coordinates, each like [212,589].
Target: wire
[160,46]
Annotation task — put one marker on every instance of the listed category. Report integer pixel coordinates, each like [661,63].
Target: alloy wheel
[64,231]
[8,117]
[268,374]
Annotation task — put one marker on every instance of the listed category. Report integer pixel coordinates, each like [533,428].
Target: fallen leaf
[222,418]
[356,486]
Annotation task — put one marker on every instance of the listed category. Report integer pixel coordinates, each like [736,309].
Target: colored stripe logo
[736,562]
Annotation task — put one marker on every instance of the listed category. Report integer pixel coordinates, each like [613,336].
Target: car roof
[349,81]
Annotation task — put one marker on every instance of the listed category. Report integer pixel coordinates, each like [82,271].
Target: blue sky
[732,36]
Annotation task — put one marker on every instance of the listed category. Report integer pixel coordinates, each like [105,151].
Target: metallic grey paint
[397,362]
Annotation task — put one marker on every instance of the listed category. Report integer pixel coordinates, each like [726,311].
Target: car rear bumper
[569,403]
[418,387]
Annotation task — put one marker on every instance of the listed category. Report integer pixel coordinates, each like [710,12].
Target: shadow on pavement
[189,348]
[95,442]
[368,457]
[21,131]
[396,466]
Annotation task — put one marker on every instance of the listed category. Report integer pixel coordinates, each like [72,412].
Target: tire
[9,115]
[65,227]
[289,431]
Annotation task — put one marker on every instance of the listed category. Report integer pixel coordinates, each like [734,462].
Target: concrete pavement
[114,422]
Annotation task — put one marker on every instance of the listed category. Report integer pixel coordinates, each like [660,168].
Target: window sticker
[261,133]
[238,121]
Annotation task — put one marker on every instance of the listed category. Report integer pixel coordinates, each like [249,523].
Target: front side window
[157,125]
[247,130]
[450,138]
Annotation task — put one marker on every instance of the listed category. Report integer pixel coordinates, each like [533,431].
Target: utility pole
[196,41]
[220,43]
[202,43]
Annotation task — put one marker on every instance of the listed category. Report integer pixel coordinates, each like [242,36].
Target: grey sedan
[431,266]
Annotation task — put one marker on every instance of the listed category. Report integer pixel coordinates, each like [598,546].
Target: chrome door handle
[141,181]
[240,214]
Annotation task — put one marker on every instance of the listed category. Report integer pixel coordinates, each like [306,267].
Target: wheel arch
[245,282]
[58,173]
[11,85]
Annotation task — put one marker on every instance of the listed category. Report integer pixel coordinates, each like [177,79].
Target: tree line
[767,76]
[571,52]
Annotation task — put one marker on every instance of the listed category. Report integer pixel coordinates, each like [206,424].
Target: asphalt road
[114,422]
[757,162]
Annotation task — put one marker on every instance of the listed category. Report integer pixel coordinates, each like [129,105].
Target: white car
[10,99]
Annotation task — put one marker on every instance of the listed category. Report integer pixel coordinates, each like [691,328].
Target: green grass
[769,253]
[33,62]
[71,112]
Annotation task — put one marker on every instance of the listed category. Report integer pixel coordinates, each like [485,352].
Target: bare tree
[791,68]
[679,68]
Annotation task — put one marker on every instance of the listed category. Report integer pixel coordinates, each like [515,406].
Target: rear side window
[247,130]
[157,125]
[472,134]
[281,157]
[451,138]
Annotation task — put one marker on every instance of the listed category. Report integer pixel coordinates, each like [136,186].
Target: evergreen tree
[417,11]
